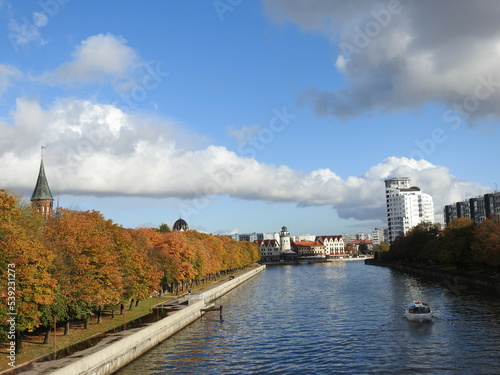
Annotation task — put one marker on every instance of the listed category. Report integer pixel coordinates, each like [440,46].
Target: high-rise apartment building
[406,205]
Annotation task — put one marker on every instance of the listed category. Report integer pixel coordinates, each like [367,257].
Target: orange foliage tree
[486,244]
[86,263]
[26,284]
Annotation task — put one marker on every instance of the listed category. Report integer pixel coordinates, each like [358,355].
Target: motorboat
[417,311]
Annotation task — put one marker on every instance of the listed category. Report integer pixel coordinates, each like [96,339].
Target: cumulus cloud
[99,58]
[402,54]
[97,149]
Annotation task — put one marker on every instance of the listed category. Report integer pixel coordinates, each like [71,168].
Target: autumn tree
[486,244]
[27,286]
[86,262]
[139,278]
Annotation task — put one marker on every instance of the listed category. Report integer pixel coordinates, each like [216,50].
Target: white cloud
[402,54]
[96,149]
[99,58]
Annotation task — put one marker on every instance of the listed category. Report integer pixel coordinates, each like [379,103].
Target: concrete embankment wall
[117,354]
[452,279]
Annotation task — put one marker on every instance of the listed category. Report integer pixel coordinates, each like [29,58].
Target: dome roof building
[180,225]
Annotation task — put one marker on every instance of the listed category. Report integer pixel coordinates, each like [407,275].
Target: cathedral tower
[42,197]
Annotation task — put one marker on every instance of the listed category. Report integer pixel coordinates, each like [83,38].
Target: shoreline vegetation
[452,278]
[76,267]
[463,254]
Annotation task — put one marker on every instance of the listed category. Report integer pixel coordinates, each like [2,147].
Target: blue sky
[249,115]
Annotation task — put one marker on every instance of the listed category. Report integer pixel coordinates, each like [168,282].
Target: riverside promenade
[118,349]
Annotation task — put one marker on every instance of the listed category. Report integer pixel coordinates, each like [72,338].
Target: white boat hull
[419,317]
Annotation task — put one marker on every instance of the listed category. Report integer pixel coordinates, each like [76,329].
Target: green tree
[164,228]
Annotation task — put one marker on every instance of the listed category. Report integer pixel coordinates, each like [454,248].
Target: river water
[335,318]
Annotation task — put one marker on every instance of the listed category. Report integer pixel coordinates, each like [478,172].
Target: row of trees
[78,262]
[462,243]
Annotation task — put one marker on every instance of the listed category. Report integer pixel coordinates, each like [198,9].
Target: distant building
[304,237]
[406,205]
[356,236]
[477,209]
[357,243]
[378,236]
[180,225]
[334,246]
[285,240]
[252,237]
[310,249]
[270,250]
[279,246]
[42,198]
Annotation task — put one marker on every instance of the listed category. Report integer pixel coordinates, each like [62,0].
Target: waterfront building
[270,250]
[334,246]
[406,205]
[310,249]
[42,198]
[285,240]
[477,208]
[279,247]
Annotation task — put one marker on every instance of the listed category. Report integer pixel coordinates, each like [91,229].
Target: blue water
[335,318]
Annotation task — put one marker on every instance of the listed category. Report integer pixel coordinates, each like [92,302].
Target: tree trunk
[19,342]
[66,328]
[86,322]
[131,303]
[122,308]
[136,302]
[47,335]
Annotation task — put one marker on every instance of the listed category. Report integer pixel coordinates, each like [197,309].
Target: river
[335,318]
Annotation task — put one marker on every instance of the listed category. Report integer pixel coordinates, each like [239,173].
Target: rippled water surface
[335,318]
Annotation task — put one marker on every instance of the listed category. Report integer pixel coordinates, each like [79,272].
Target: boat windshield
[419,310]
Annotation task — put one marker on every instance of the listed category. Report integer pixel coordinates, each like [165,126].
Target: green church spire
[42,190]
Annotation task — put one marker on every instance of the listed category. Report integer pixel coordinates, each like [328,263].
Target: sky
[246,116]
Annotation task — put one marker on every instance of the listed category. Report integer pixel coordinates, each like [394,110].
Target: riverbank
[454,280]
[309,261]
[115,350]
